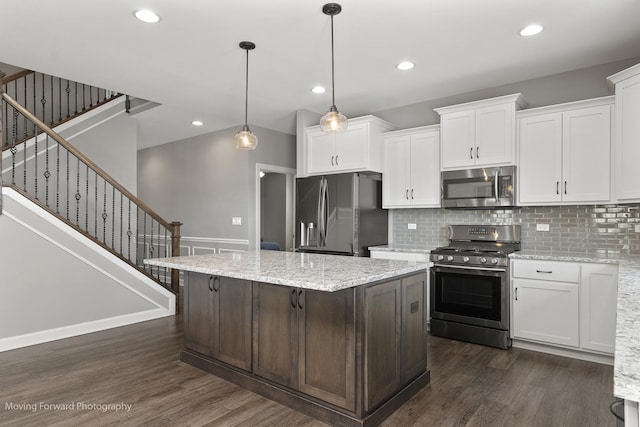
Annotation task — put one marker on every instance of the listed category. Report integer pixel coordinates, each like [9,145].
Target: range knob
[440,257]
[494,260]
[483,260]
[450,258]
[465,259]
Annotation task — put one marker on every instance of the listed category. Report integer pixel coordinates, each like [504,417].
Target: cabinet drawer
[547,270]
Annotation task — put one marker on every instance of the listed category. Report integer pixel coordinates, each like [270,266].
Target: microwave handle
[495,185]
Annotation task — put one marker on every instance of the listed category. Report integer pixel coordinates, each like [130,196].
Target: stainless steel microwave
[482,188]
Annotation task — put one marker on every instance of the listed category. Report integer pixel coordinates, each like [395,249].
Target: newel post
[175,251]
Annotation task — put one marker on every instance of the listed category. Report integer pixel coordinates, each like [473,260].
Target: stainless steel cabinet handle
[332,160]
[214,284]
[471,153]
[412,194]
[293,296]
[209,283]
[495,186]
[544,271]
[336,160]
[565,187]
[300,299]
[516,294]
[477,152]
[406,194]
[557,187]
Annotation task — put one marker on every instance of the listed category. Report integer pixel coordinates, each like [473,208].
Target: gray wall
[204,181]
[273,208]
[555,89]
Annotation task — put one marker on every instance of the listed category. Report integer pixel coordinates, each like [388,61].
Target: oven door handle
[464,267]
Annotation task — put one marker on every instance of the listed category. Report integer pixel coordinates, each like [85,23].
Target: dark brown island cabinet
[348,358]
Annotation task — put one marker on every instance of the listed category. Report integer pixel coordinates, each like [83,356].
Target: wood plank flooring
[138,365]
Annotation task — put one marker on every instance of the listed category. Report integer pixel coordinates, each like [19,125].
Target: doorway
[275,202]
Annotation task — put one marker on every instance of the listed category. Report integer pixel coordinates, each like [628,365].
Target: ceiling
[191,64]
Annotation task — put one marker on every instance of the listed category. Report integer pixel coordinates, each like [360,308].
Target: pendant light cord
[246,93]
[333,77]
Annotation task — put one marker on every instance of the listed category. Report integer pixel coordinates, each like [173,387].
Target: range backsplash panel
[594,229]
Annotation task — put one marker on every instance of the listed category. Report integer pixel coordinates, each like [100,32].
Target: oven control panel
[483,260]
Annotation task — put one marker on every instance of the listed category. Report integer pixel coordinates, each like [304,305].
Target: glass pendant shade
[245,139]
[334,121]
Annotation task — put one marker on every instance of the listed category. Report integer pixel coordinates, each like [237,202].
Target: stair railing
[53,100]
[55,175]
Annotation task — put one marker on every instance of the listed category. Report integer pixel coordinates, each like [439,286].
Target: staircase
[43,168]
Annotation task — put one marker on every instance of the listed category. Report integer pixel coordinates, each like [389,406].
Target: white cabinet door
[320,149]
[495,136]
[351,148]
[458,139]
[425,173]
[396,178]
[586,146]
[540,168]
[627,133]
[598,305]
[547,312]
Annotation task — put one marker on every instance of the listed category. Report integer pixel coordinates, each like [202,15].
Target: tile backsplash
[594,229]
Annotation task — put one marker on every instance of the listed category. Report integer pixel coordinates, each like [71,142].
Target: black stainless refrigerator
[340,214]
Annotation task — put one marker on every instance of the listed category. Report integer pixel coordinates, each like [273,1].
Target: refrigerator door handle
[325,213]
[319,213]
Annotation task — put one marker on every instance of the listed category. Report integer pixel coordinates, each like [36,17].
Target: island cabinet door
[382,376]
[275,333]
[198,313]
[326,331]
[413,349]
[232,321]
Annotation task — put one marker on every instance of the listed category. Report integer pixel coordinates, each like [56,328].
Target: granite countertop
[393,248]
[308,271]
[626,365]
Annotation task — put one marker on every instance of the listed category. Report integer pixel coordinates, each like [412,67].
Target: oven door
[471,295]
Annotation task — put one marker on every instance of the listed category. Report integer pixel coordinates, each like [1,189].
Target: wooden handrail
[60,140]
[15,76]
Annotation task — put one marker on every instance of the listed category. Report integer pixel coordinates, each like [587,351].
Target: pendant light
[245,139]
[333,121]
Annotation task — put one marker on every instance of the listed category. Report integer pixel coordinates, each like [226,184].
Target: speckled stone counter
[626,376]
[308,271]
[392,248]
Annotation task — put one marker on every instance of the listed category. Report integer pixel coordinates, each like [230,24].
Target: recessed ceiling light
[405,65]
[197,123]
[318,89]
[146,15]
[531,30]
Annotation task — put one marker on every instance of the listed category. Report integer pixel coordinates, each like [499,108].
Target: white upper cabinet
[480,133]
[627,134]
[411,176]
[357,149]
[565,153]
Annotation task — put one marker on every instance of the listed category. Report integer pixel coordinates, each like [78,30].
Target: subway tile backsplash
[595,229]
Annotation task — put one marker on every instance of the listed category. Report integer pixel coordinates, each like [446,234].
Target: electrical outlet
[542,227]
[411,226]
[236,220]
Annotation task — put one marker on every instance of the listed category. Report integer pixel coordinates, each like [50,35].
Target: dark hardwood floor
[138,365]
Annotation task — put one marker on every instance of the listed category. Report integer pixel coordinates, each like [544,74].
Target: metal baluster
[35,104]
[144,236]
[24,165]
[59,99]
[104,215]
[113,215]
[68,90]
[75,96]
[35,165]
[129,232]
[159,255]
[121,211]
[78,196]
[43,101]
[57,177]
[84,102]
[90,96]
[47,174]
[167,274]
[95,213]
[68,179]
[14,149]
[52,114]
[86,202]
[26,123]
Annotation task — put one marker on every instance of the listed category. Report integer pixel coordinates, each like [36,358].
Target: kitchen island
[342,339]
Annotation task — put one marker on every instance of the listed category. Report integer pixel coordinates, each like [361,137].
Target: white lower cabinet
[569,304]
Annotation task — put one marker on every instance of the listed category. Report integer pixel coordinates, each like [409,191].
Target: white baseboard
[40,337]
[566,352]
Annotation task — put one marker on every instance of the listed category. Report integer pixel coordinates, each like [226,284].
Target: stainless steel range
[470,284]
